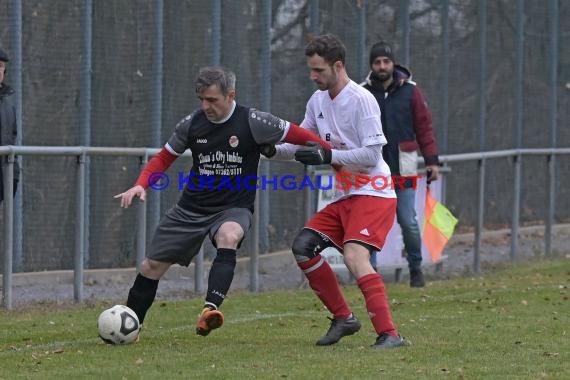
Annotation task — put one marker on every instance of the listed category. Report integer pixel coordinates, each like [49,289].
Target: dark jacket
[406,121]
[8,128]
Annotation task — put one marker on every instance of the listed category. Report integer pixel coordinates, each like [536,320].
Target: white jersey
[349,121]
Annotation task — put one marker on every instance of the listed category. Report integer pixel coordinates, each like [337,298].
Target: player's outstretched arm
[158,164]
[267,128]
[127,197]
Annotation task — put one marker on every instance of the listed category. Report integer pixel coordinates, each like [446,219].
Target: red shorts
[360,218]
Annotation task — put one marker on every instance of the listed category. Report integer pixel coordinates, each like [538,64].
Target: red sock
[372,288]
[323,281]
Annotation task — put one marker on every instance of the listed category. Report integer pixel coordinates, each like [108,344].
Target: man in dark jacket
[407,124]
[8,126]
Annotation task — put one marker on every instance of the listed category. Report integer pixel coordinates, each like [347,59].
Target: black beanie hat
[381,49]
[3,56]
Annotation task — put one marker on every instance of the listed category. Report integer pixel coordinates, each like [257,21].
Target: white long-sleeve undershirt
[364,156]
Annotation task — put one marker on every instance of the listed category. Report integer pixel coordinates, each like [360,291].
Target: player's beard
[380,76]
[323,86]
[329,83]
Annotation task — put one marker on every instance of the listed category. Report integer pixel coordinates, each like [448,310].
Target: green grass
[509,324]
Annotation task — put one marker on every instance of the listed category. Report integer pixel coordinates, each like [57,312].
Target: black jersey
[225,157]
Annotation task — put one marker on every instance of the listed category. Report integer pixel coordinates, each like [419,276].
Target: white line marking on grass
[260,316]
[80,342]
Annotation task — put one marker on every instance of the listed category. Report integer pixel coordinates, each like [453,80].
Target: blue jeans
[407,219]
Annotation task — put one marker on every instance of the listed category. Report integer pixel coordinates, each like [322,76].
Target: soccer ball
[118,325]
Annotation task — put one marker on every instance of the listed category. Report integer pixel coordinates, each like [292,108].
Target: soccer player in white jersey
[359,218]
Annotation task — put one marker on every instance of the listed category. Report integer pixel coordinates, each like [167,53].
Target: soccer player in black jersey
[226,140]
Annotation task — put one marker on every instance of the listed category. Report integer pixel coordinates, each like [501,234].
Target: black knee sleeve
[308,244]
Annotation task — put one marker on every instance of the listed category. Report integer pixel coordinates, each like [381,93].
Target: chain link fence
[120,74]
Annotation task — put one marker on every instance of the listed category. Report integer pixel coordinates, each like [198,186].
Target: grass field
[513,323]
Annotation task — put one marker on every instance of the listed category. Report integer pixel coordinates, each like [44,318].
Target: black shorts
[180,233]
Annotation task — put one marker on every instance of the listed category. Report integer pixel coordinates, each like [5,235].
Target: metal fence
[82,153]
[120,73]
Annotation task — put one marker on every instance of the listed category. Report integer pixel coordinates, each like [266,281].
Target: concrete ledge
[280,263]
[271,262]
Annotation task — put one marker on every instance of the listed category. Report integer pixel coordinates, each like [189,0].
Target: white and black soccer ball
[118,325]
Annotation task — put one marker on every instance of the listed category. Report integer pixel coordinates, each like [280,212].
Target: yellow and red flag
[438,226]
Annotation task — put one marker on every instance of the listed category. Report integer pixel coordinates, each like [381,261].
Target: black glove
[268,150]
[313,154]
[428,176]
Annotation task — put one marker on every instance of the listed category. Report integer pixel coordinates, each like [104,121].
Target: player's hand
[313,154]
[268,150]
[127,196]
[432,172]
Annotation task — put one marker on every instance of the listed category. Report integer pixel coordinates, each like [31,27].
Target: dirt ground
[280,272]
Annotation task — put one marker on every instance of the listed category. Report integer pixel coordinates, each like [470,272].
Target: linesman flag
[438,226]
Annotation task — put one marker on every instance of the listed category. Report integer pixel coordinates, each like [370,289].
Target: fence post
[480,216]
[199,271]
[444,113]
[553,71]
[482,8]
[550,210]
[362,62]
[307,195]
[314,16]
[85,109]
[141,223]
[405,29]
[16,81]
[79,230]
[216,32]
[154,197]
[517,159]
[307,205]
[8,231]
[254,254]
[516,206]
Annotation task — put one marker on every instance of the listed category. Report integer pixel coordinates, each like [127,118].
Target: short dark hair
[208,76]
[327,46]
